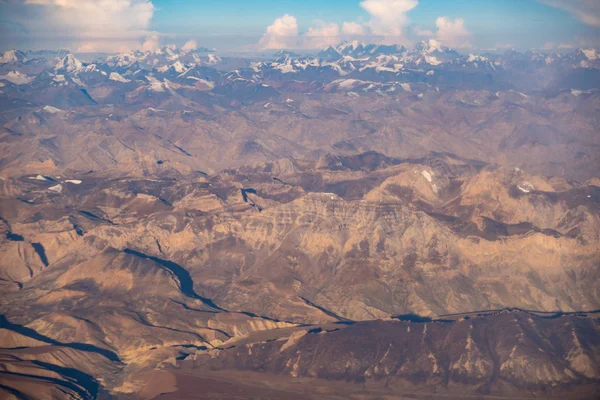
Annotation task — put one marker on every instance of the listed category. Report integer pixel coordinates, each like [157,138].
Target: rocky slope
[136,274]
[173,216]
[510,353]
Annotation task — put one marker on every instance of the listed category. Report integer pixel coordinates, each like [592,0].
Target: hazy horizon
[118,25]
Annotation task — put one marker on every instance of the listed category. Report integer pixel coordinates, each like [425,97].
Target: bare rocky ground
[254,235]
[278,270]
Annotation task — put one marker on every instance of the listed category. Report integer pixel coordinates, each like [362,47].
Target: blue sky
[251,17]
[524,23]
[241,24]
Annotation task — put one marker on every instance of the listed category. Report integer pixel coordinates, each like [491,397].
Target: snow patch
[525,187]
[115,76]
[178,67]
[17,78]
[51,110]
[73,181]
[590,54]
[56,188]
[155,84]
[8,57]
[427,175]
[432,60]
[214,59]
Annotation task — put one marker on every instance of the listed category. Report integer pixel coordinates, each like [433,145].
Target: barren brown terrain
[252,234]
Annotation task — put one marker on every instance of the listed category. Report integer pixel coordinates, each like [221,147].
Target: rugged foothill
[365,222]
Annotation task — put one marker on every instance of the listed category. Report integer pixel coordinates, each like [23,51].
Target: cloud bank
[282,33]
[387,23]
[97,25]
[388,17]
[452,32]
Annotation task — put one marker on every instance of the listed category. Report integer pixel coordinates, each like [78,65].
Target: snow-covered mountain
[12,56]
[354,68]
[69,63]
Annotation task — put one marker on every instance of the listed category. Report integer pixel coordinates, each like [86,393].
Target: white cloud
[190,45]
[281,34]
[587,11]
[96,25]
[354,29]
[151,43]
[388,21]
[388,17]
[324,34]
[452,32]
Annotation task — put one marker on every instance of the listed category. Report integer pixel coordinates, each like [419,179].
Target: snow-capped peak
[68,64]
[214,59]
[590,54]
[476,58]
[114,76]
[125,59]
[355,44]
[178,67]
[17,78]
[12,56]
[430,46]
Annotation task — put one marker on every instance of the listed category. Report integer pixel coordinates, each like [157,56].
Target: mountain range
[369,222]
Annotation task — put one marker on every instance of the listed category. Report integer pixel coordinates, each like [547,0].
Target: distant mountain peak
[355,44]
[69,63]
[11,56]
[430,46]
[283,53]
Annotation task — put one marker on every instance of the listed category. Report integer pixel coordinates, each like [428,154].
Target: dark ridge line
[78,230]
[81,391]
[326,311]
[10,235]
[165,202]
[186,283]
[24,201]
[251,314]
[185,306]
[179,148]
[276,179]
[249,200]
[94,217]
[19,395]
[31,333]
[85,92]
[245,194]
[49,178]
[86,381]
[551,314]
[39,249]
[159,247]
[151,325]
[15,282]
[410,317]
[14,237]
[190,346]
